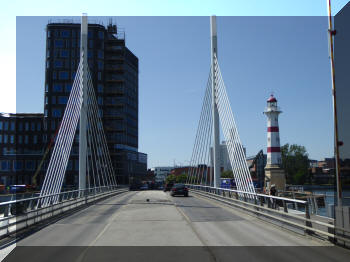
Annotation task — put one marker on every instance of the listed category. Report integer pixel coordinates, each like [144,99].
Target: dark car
[168,187]
[179,189]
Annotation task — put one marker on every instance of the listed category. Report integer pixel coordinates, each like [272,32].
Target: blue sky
[286,55]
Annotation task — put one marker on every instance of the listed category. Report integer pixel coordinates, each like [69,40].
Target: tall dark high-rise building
[114,72]
[27,140]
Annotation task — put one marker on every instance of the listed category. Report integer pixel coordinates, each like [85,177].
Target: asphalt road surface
[153,226]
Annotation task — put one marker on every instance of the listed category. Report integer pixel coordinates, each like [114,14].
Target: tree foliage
[295,162]
[176,179]
[227,174]
[170,179]
[181,178]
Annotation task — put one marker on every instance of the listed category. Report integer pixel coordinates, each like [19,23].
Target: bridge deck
[130,220]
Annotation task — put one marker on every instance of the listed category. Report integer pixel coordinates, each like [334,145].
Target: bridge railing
[18,214]
[292,214]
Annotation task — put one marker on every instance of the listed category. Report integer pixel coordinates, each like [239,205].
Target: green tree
[181,178]
[295,162]
[170,179]
[227,174]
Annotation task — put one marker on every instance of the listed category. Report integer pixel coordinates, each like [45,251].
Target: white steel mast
[83,112]
[216,130]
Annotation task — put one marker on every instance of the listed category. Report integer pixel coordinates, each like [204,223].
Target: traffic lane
[80,228]
[224,226]
[149,219]
[229,233]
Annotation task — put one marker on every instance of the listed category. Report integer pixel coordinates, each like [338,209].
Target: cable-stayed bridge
[101,213]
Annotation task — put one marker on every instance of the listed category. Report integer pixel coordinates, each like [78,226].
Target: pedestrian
[273,192]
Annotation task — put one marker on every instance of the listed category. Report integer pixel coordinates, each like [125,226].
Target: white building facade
[161,172]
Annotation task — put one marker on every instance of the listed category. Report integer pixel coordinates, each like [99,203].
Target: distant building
[21,148]
[114,74]
[313,163]
[225,163]
[256,165]
[161,172]
[180,170]
[327,163]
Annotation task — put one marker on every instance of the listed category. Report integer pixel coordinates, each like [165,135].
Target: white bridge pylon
[95,165]
[205,164]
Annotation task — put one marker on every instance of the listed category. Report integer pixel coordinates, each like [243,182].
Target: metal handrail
[33,211]
[281,216]
[253,194]
[52,195]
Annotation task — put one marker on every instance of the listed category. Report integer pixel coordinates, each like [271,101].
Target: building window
[91,44]
[26,140]
[73,44]
[63,75]
[46,88]
[0,139]
[5,165]
[59,43]
[100,54]
[44,138]
[58,63]
[101,35]
[30,165]
[90,34]
[99,76]
[100,65]
[57,88]
[47,64]
[35,139]
[0,125]
[45,112]
[54,75]
[48,33]
[65,33]
[100,88]
[39,126]
[89,54]
[68,87]
[62,100]
[20,139]
[12,139]
[73,75]
[33,126]
[56,112]
[17,165]
[26,126]
[12,126]
[100,100]
[46,100]
[64,53]
[53,100]
[20,127]
[53,125]
[6,125]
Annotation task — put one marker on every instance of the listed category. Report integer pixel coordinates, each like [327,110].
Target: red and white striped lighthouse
[273,137]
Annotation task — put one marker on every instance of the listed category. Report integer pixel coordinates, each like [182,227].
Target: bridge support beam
[216,128]
[83,112]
